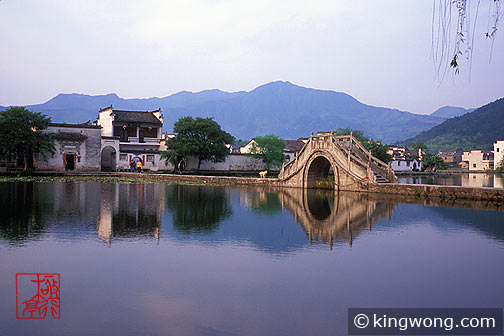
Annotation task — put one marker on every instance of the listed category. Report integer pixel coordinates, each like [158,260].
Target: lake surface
[487,180]
[159,259]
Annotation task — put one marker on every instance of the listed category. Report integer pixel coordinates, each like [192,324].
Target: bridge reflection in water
[328,216]
[76,211]
[138,211]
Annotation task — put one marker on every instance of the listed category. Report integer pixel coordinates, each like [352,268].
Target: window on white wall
[150,158]
[123,157]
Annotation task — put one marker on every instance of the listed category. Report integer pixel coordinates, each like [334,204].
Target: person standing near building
[139,166]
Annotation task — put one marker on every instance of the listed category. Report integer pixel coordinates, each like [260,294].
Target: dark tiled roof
[83,125]
[69,136]
[136,116]
[293,145]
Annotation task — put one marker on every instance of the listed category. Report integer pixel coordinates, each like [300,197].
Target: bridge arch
[317,169]
[355,168]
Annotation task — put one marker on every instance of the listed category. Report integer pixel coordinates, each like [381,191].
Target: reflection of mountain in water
[487,222]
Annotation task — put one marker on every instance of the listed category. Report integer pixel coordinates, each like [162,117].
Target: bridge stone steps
[380,179]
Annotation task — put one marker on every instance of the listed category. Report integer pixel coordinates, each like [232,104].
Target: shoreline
[420,191]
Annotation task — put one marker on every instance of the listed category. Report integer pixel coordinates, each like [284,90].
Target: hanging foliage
[448,49]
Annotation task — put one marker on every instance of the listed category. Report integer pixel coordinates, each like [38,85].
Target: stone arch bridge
[354,167]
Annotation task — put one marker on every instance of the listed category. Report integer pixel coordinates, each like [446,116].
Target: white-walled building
[498,152]
[404,160]
[77,147]
[406,165]
[479,159]
[292,147]
[130,136]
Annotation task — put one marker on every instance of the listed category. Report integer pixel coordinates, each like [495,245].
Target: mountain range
[282,108]
[451,112]
[475,130]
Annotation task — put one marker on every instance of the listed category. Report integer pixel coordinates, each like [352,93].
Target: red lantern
[124,127]
[150,128]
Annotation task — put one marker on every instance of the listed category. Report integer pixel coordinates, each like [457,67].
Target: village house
[292,147]
[130,136]
[77,146]
[404,160]
[451,157]
[406,164]
[396,151]
[498,153]
[479,159]
[238,161]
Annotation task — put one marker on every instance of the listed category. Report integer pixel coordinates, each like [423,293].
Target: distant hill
[287,110]
[450,112]
[475,130]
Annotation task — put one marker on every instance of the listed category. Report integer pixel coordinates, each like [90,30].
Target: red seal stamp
[37,294]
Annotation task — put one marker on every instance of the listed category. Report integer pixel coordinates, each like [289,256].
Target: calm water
[157,259]
[488,180]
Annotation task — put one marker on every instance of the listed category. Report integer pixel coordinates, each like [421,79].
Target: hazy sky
[376,51]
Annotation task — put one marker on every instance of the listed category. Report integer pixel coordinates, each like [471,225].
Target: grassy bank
[97,179]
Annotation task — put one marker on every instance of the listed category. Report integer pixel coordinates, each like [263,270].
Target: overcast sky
[376,51]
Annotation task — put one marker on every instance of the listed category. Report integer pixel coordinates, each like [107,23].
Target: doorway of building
[69,161]
[108,159]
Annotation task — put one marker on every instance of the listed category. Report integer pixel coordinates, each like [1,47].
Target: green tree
[431,161]
[420,145]
[197,209]
[201,137]
[358,134]
[378,150]
[269,149]
[22,136]
[240,142]
[500,166]
[170,157]
[266,203]
[450,46]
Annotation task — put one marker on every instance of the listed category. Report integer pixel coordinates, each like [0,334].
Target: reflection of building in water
[129,210]
[498,181]
[477,180]
[326,216]
[487,180]
[72,209]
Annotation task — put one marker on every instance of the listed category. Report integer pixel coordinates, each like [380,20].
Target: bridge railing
[374,163]
[349,146]
[288,167]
